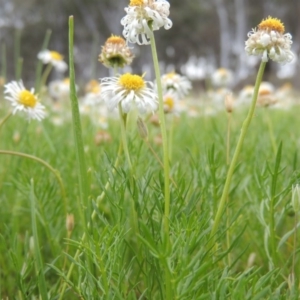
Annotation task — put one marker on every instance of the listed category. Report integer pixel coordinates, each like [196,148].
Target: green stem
[123,118]
[164,135]
[272,233]
[3,59]
[5,119]
[45,164]
[295,250]
[168,292]
[171,131]
[45,75]
[82,171]
[38,257]
[271,131]
[19,68]
[237,151]
[38,71]
[134,215]
[228,139]
[159,161]
[17,43]
[227,200]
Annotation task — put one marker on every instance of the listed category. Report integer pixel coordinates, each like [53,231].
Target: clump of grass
[128,235]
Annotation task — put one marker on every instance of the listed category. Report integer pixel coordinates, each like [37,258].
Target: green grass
[115,262]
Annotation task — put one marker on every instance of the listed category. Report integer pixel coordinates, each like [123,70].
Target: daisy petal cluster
[60,89]
[129,90]
[92,93]
[54,58]
[270,42]
[173,83]
[142,17]
[222,78]
[24,100]
[170,103]
[115,53]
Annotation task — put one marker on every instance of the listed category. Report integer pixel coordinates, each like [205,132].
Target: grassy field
[123,254]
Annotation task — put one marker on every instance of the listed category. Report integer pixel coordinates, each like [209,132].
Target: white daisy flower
[171,103]
[142,13]
[24,100]
[222,78]
[269,41]
[129,90]
[176,84]
[93,93]
[60,89]
[54,58]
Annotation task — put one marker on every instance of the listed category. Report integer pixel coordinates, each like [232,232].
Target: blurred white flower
[266,94]
[142,17]
[54,58]
[24,100]
[245,95]
[59,89]
[176,84]
[222,78]
[92,96]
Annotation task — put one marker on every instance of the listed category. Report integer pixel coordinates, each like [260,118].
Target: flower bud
[229,103]
[70,222]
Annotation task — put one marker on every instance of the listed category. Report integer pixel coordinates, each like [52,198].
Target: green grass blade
[37,253]
[82,171]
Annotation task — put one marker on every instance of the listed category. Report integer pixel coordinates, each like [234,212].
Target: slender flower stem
[171,133]
[17,47]
[45,164]
[271,131]
[164,136]
[123,118]
[82,171]
[38,257]
[228,138]
[45,75]
[5,119]
[168,292]
[134,216]
[159,161]
[237,151]
[38,71]
[295,248]
[227,200]
[19,68]
[3,61]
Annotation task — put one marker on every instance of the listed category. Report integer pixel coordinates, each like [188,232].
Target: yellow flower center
[114,39]
[66,80]
[264,92]
[56,56]
[136,3]
[271,24]
[222,71]
[170,75]
[169,102]
[132,82]
[93,87]
[27,99]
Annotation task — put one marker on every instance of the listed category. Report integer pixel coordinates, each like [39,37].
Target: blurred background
[206,35]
